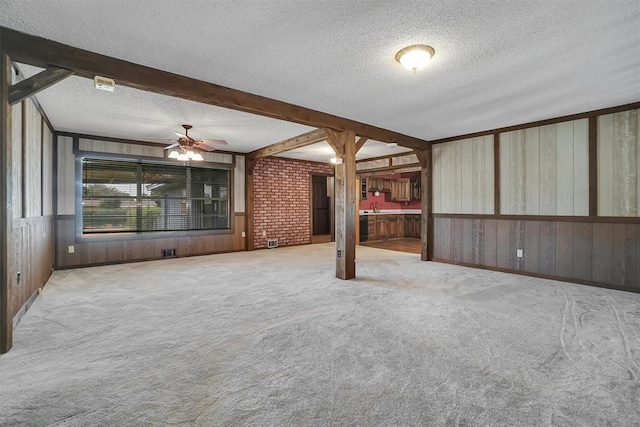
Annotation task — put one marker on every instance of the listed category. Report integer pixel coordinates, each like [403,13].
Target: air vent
[168,253]
[272,243]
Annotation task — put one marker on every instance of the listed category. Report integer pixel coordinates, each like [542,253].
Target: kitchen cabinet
[403,189]
[382,227]
[412,225]
[386,185]
[416,189]
[392,226]
[400,190]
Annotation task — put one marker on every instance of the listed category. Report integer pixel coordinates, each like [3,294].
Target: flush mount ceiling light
[415,57]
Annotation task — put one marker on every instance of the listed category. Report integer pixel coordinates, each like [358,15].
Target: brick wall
[282,200]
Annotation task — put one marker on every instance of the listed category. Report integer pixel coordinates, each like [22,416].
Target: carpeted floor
[272,338]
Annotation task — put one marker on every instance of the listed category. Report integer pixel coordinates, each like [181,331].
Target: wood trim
[41,166]
[129,261]
[334,142]
[149,235]
[313,162]
[45,53]
[345,203]
[429,213]
[110,139]
[20,77]
[313,137]
[571,117]
[25,307]
[426,222]
[496,174]
[538,275]
[591,219]
[249,203]
[360,143]
[23,162]
[390,156]
[372,172]
[593,166]
[6,214]
[37,83]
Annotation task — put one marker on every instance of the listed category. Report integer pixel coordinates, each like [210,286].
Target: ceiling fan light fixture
[189,154]
[198,157]
[174,154]
[415,57]
[183,157]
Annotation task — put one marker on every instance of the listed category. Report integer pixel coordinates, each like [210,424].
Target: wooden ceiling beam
[361,141]
[45,53]
[37,83]
[317,135]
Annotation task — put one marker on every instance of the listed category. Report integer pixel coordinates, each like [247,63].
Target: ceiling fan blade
[212,141]
[182,135]
[171,146]
[199,145]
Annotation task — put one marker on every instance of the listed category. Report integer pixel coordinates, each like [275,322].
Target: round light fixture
[415,57]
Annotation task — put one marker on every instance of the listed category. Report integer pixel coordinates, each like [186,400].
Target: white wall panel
[463,176]
[618,164]
[239,185]
[545,170]
[66,176]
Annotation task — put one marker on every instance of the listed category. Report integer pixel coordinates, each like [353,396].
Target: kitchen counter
[391,212]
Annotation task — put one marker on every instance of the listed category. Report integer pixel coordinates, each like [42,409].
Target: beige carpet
[272,338]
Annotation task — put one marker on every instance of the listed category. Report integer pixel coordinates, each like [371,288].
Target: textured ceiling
[497,63]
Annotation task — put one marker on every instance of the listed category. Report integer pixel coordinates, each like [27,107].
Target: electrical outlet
[264,233]
[72,249]
[244,234]
[519,253]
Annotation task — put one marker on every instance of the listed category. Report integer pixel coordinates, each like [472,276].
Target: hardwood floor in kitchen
[403,244]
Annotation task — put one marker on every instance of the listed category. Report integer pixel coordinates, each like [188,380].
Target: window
[136,197]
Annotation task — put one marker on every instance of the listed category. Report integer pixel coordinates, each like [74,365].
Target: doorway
[321,208]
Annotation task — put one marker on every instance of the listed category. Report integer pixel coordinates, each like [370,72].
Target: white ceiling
[497,63]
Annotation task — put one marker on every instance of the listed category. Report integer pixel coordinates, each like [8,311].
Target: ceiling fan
[183,148]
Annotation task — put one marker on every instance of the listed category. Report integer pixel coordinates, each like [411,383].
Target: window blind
[130,196]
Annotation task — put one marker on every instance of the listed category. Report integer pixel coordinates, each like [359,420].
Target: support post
[344,145]
[249,202]
[426,224]
[6,241]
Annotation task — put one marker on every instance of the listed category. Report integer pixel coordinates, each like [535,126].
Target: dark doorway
[320,202]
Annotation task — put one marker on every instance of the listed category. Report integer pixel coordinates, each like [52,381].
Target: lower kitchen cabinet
[392,226]
[412,225]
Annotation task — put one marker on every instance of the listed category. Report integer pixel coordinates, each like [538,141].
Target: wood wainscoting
[33,258]
[590,250]
[103,250]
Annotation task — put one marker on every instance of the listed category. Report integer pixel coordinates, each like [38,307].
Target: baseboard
[539,275]
[25,307]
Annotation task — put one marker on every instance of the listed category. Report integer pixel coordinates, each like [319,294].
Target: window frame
[144,235]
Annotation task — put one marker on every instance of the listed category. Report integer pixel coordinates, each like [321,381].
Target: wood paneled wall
[32,160]
[112,251]
[552,176]
[95,250]
[66,177]
[545,170]
[238,188]
[32,187]
[16,170]
[605,254]
[619,164]
[47,171]
[463,176]
[115,147]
